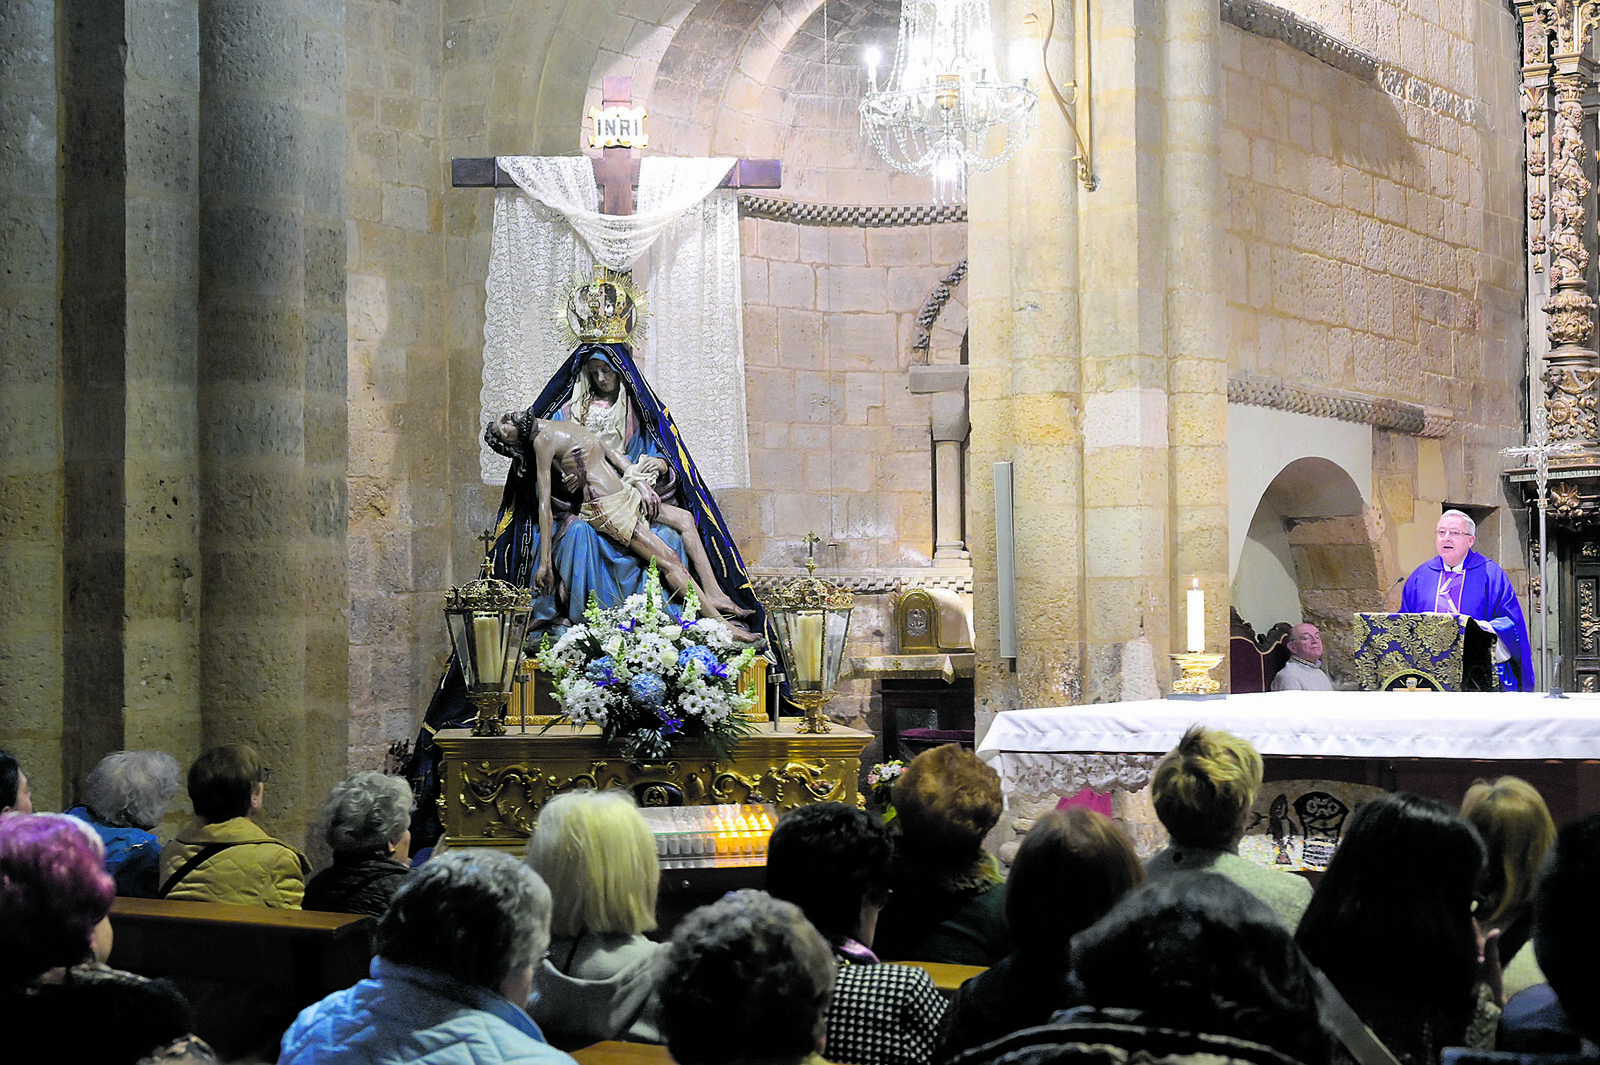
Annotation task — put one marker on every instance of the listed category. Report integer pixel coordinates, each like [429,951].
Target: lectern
[1423,652]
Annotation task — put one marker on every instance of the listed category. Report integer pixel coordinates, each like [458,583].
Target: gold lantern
[488,619]
[811,618]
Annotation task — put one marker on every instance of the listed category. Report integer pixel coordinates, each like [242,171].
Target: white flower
[568,638]
[585,701]
[716,635]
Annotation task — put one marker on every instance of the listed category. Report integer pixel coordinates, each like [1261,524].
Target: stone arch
[742,81]
[1311,554]
[547,65]
[941,323]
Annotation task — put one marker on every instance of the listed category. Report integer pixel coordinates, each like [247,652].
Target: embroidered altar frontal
[493,786]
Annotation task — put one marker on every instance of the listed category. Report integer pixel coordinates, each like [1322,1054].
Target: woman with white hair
[598,980]
[456,951]
[367,823]
[125,798]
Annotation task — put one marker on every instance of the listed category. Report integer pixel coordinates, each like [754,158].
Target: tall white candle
[486,636]
[1197,618]
[808,649]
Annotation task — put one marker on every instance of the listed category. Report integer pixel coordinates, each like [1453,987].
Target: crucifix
[1539,448]
[616,171]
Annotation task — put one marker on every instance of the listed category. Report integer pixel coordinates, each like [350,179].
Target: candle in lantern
[808,649]
[486,647]
[1197,618]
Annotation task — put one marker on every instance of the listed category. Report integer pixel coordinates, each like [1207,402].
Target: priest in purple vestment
[1461,581]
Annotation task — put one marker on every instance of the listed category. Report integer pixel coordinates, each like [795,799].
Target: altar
[1432,743]
[493,786]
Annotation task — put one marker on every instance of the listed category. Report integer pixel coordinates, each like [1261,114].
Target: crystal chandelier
[941,114]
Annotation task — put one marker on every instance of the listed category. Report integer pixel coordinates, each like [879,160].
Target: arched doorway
[1309,555]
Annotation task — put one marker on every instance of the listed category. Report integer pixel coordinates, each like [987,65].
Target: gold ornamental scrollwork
[1569,316]
[494,787]
[1536,125]
[815,780]
[1588,617]
[509,791]
[1572,22]
[1566,501]
[1570,400]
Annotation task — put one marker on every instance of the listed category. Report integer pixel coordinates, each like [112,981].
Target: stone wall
[1374,238]
[176,465]
[31,478]
[407,520]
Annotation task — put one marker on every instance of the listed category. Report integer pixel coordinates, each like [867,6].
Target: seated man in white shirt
[1303,671]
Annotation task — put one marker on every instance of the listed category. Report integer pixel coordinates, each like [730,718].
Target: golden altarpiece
[1558,87]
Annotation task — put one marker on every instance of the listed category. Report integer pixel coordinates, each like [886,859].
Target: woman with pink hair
[55,935]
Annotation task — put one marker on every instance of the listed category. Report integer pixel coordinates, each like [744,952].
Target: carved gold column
[1556,77]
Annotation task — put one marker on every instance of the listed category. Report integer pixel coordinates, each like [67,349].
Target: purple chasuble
[1486,594]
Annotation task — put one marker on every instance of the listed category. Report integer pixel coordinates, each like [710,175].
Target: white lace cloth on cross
[548,234]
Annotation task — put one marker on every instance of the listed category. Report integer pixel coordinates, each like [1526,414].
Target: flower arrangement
[648,678]
[880,780]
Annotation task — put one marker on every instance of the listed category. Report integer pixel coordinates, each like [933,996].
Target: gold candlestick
[1196,679]
[815,721]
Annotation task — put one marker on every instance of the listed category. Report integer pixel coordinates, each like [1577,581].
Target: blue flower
[670,725]
[704,655]
[600,671]
[647,690]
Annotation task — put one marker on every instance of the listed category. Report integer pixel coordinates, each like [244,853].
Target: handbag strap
[1357,1038]
[189,866]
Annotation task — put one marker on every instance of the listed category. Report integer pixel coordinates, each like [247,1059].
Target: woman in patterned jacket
[832,861]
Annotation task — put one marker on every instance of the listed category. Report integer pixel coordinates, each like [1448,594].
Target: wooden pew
[616,1052]
[247,970]
[948,977]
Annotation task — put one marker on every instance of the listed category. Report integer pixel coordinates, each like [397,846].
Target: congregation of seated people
[1435,936]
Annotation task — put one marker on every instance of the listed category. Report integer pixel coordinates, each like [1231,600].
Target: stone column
[1195,316]
[271,384]
[31,473]
[161,605]
[129,537]
[950,427]
[1127,527]
[1097,368]
[93,369]
[1025,383]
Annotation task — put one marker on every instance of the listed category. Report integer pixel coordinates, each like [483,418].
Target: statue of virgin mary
[600,386]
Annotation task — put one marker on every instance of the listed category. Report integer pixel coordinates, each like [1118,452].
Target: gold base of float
[493,787]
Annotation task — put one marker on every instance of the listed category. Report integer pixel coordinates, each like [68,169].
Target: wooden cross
[616,171]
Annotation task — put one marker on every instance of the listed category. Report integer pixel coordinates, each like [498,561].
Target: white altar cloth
[1116,743]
